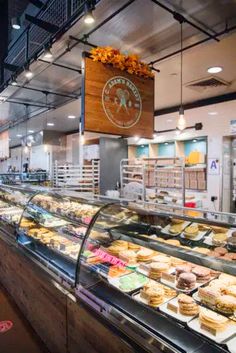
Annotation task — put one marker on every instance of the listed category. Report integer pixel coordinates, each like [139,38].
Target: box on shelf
[201,184]
[193,184]
[187,183]
[201,175]
[196,157]
[192,175]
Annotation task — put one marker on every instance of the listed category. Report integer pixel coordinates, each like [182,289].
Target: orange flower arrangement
[129,63]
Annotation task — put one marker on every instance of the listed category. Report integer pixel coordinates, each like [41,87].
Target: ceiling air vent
[207,83]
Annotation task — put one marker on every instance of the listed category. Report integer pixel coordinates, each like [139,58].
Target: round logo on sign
[5,326]
[122,102]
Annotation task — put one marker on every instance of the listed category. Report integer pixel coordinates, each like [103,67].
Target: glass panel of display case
[12,202]
[53,227]
[174,264]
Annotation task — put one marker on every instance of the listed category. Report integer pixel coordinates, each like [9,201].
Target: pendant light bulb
[47,54]
[16,23]
[181,125]
[89,18]
[26,149]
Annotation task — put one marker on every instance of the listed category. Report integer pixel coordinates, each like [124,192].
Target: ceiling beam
[197,104]
[83,41]
[225,31]
[29,104]
[181,19]
[37,3]
[61,65]
[72,96]
[47,26]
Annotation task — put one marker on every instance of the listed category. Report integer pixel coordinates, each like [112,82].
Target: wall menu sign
[116,102]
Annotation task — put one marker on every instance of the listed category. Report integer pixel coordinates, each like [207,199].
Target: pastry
[221,251]
[177,221]
[154,295]
[187,305]
[176,229]
[213,254]
[219,239]
[230,256]
[203,274]
[175,261]
[186,281]
[217,229]
[186,268]
[169,292]
[157,268]
[133,246]
[209,295]
[201,250]
[204,227]
[227,279]
[162,259]
[173,242]
[233,234]
[128,256]
[212,320]
[120,243]
[231,290]
[226,304]
[144,255]
[191,231]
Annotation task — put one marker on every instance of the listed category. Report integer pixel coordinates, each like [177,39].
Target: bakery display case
[166,278]
[52,228]
[12,202]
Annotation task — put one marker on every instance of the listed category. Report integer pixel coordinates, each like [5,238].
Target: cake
[219,239]
[212,320]
[203,274]
[128,256]
[157,268]
[209,295]
[217,229]
[226,304]
[176,229]
[191,231]
[186,268]
[144,255]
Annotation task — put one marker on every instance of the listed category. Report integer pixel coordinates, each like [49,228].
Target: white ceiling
[142,28]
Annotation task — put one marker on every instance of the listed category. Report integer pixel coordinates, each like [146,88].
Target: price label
[173,307]
[209,329]
[168,277]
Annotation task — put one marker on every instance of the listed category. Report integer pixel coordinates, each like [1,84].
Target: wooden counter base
[62,323]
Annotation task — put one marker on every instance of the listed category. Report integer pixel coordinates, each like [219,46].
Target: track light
[28,73]
[14,81]
[88,13]
[47,54]
[15,23]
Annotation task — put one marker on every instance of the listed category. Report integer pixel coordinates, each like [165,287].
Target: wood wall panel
[96,75]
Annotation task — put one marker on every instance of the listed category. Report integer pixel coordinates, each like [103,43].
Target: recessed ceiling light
[214,69]
[71,116]
[15,23]
[18,135]
[136,138]
[194,140]
[50,124]
[212,113]
[154,136]
[142,146]
[169,120]
[31,131]
[47,54]
[14,81]
[166,143]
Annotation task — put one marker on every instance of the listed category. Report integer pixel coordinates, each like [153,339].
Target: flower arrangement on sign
[129,63]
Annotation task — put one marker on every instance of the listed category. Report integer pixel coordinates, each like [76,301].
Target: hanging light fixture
[28,72]
[16,23]
[88,13]
[47,53]
[181,124]
[13,81]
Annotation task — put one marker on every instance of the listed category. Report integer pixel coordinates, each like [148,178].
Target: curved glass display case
[164,277]
[12,202]
[52,228]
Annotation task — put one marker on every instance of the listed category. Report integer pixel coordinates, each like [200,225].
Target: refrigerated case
[12,202]
[165,279]
[52,228]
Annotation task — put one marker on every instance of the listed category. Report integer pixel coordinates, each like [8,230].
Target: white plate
[231,344]
[178,316]
[167,228]
[220,336]
[208,239]
[144,301]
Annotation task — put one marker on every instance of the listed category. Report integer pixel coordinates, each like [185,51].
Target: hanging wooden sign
[116,102]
